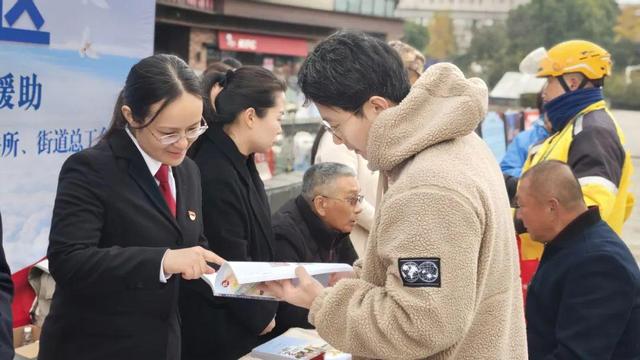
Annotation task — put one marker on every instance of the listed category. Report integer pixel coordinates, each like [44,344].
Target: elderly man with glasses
[315,227]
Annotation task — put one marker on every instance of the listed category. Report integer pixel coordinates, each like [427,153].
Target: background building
[467,15]
[273,33]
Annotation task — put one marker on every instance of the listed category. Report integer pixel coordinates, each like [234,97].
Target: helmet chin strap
[566,87]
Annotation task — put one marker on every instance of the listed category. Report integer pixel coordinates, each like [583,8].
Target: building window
[367,7]
[382,8]
[391,8]
[353,6]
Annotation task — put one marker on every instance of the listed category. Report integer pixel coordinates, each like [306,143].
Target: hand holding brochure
[239,278]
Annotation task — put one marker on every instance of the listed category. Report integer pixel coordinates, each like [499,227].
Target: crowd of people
[401,188]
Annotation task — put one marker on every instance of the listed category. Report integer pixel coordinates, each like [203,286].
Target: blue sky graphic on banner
[62,64]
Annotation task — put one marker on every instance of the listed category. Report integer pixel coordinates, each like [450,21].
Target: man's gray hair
[322,175]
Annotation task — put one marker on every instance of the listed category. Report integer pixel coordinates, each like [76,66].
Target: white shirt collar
[152,164]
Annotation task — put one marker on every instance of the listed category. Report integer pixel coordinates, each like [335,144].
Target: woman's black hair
[316,144]
[247,87]
[156,78]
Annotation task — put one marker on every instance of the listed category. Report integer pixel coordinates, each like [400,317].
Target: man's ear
[554,205]
[378,103]
[319,205]
[574,80]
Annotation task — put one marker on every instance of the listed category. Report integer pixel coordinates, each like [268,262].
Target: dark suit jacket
[301,236]
[237,222]
[584,300]
[6,293]
[109,232]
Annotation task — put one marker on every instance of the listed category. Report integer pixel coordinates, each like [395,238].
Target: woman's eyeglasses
[191,134]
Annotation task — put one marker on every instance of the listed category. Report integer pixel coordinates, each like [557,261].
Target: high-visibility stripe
[577,126]
[599,180]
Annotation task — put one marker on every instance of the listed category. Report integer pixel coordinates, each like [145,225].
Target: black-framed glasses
[353,200]
[191,134]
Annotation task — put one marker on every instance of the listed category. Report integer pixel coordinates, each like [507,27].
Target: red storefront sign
[206,5]
[233,41]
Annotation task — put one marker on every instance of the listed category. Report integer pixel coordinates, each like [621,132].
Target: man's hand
[301,295]
[269,327]
[190,262]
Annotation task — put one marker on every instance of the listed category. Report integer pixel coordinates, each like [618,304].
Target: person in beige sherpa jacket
[440,276]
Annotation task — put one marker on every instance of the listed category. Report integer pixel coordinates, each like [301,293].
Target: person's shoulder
[207,153]
[213,164]
[602,245]
[90,157]
[595,121]
[189,165]
[286,217]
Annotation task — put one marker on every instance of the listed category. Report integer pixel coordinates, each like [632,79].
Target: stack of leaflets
[287,347]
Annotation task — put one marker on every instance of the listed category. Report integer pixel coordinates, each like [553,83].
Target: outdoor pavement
[630,123]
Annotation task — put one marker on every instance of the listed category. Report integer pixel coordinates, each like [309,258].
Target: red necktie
[163,177]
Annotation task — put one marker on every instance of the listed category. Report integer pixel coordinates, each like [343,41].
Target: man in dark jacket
[584,300]
[315,227]
[6,293]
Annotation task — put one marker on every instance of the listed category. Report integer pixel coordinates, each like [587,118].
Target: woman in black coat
[127,224]
[6,294]
[237,220]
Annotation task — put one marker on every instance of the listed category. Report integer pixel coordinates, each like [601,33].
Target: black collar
[122,146]
[216,134]
[323,235]
[571,232]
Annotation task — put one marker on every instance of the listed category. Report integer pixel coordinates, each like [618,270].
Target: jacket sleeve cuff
[316,306]
[164,276]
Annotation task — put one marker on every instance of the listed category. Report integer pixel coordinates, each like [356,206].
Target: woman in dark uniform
[237,218]
[127,223]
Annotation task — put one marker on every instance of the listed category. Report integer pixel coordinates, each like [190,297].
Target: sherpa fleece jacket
[440,275]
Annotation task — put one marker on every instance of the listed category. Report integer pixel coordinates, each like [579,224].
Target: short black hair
[348,68]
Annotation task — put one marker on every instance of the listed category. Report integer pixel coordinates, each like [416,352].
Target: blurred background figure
[412,59]
[523,144]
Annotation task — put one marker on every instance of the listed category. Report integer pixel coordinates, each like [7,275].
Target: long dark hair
[316,144]
[156,78]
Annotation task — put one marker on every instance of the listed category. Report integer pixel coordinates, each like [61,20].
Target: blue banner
[62,64]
